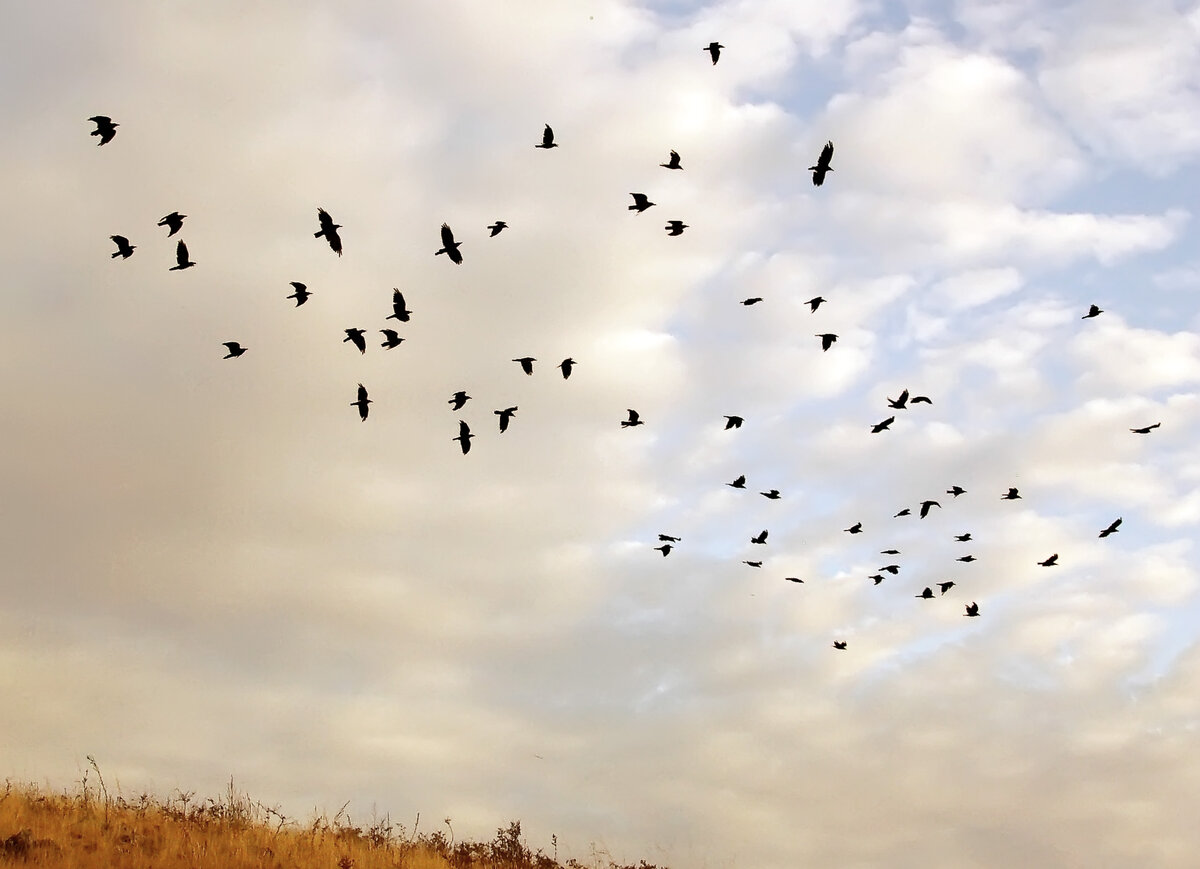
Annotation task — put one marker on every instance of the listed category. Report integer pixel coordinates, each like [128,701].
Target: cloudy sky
[212,567]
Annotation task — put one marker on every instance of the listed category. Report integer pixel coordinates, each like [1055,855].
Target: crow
[904,512]
[105,128]
[967,559]
[329,229]
[450,247]
[899,403]
[925,505]
[963,538]
[972,610]
[362,402]
[1093,311]
[856,528]
[634,419]
[920,399]
[496,228]
[946,586]
[124,248]
[814,303]
[355,336]
[878,577]
[882,426]
[391,339]
[1011,495]
[733,422]
[827,340]
[893,569]
[1052,561]
[526,363]
[566,365]
[665,549]
[761,538]
[181,258]
[956,491]
[667,538]
[505,415]
[399,310]
[173,222]
[714,48]
[753,563]
[822,164]
[927,594]
[675,227]
[793,579]
[464,437]
[739,483]
[1146,429]
[301,295]
[753,300]
[772,495]
[547,139]
[889,552]
[640,202]
[235,349]
[839,644]
[674,164]
[460,398]
[1111,529]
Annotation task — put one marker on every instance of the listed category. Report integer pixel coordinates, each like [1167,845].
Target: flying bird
[927,594]
[566,365]
[1011,495]
[839,644]
[772,495]
[753,300]
[301,295]
[904,512]
[793,579]
[739,483]
[235,349]
[526,363]
[1111,529]
[547,138]
[856,528]
[329,229]
[362,402]
[889,552]
[972,610]
[496,228]
[1052,561]
[753,563]
[667,538]
[665,549]
[899,403]
[460,398]
[124,248]
[963,538]
[827,340]
[714,48]
[391,339]
[925,505]
[505,415]
[966,559]
[450,247]
[920,399]
[733,422]
[956,491]
[173,222]
[634,419]
[946,586]
[761,538]
[822,164]
[356,337]
[675,227]
[882,426]
[893,569]
[1146,429]
[674,163]
[640,202]
[399,309]
[181,258]
[106,128]
[1093,311]
[814,303]
[878,578]
[464,437]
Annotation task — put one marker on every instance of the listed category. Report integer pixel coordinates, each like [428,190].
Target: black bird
[1052,561]
[665,549]
[904,512]
[667,538]
[972,610]
[739,483]
[464,437]
[882,426]
[329,229]
[761,538]
[1093,311]
[105,128]
[899,403]
[893,569]
[814,303]
[827,340]
[181,258]
[925,505]
[640,202]
[772,495]
[547,138]
[856,528]
[356,337]
[391,339]
[946,586]
[956,491]
[1111,529]
[966,558]
[1146,429]
[301,295]
[878,577]
[399,309]
[505,415]
[362,402]
[927,594]
[124,248]
[753,563]
[450,247]
[714,48]
[822,164]
[1011,495]
[460,398]
[674,164]
[793,579]
[496,228]
[173,222]
[634,419]
[235,349]
[526,363]
[733,422]
[963,538]
[753,300]
[566,365]
[675,227]
[920,399]
[889,552]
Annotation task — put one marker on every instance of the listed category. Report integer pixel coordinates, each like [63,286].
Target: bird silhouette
[814,303]
[235,349]
[904,512]
[301,295]
[362,402]
[458,400]
[496,228]
[714,49]
[1145,429]
[972,610]
[772,495]
[925,505]
[675,227]
[889,552]
[329,229]
[856,528]
[1011,495]
[946,586]
[761,538]
[1052,561]
[753,300]
[391,339]
[173,222]
[792,579]
[739,483]
[526,363]
[882,426]
[399,309]
[733,422]
[893,569]
[665,549]
[566,365]
[827,340]
[927,594]
[674,162]
[634,419]
[464,437]
[956,491]
[822,166]
[450,247]
[1111,529]
[357,338]
[753,563]
[124,248]
[181,258]
[640,202]
[505,415]
[966,559]
[920,399]
[877,577]
[667,538]
[899,403]
[1093,311]
[547,139]
[839,644]
[106,128]
[963,538]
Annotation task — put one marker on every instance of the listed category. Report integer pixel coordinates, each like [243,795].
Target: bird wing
[464,430]
[633,415]
[826,156]
[362,392]
[447,236]
[181,253]
[547,136]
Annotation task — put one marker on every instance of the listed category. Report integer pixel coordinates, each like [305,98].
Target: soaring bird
[822,164]
[925,505]
[329,229]
[956,491]
[904,512]
[967,559]
[665,549]
[893,569]
[889,552]
[566,365]
[739,483]
[674,163]
[105,128]
[877,577]
[526,363]
[899,403]
[356,337]
[450,247]
[972,610]
[1093,311]
[827,340]
[1011,495]
[124,248]
[920,399]
[814,303]
[882,426]
[667,538]
[390,339]
[946,586]
[753,563]
[760,538]
[399,309]
[927,594]
[856,528]
[464,437]
[839,644]
[675,227]
[793,579]
[547,138]
[1145,429]
[1111,529]
[753,300]
[460,398]
[634,419]
[496,228]
[505,415]
[772,495]
[640,202]
[714,48]
[362,402]
[963,538]
[173,222]
[301,295]
[1052,561]
[181,258]
[235,349]
[733,422]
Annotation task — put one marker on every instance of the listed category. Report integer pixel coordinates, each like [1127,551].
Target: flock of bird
[327,229]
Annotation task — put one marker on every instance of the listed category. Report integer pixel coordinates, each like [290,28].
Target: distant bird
[1011,495]
[173,222]
[925,505]
[667,538]
[893,569]
[772,495]
[1052,561]
[301,295]
[464,437]
[793,579]
[634,419]
[822,164]
[181,258]
[966,558]
[235,349]
[674,163]
[105,128]
[878,578]
[827,340]
[566,365]
[547,139]
[329,229]
[856,528]
[714,48]
[450,247]
[391,339]
[362,402]
[675,227]
[920,399]
[460,398]
[889,552]
[904,512]
[753,300]
[1111,529]
[956,491]
[972,610]
[739,483]
[761,538]
[399,309]
[946,586]
[753,563]
[124,248]
[505,415]
[526,363]
[882,426]
[963,538]
[927,594]
[496,228]
[640,202]
[1093,311]
[814,303]
[357,338]
[733,422]
[899,403]
[1146,429]
[665,549]
[839,644]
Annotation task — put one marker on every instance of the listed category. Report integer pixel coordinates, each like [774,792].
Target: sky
[212,567]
